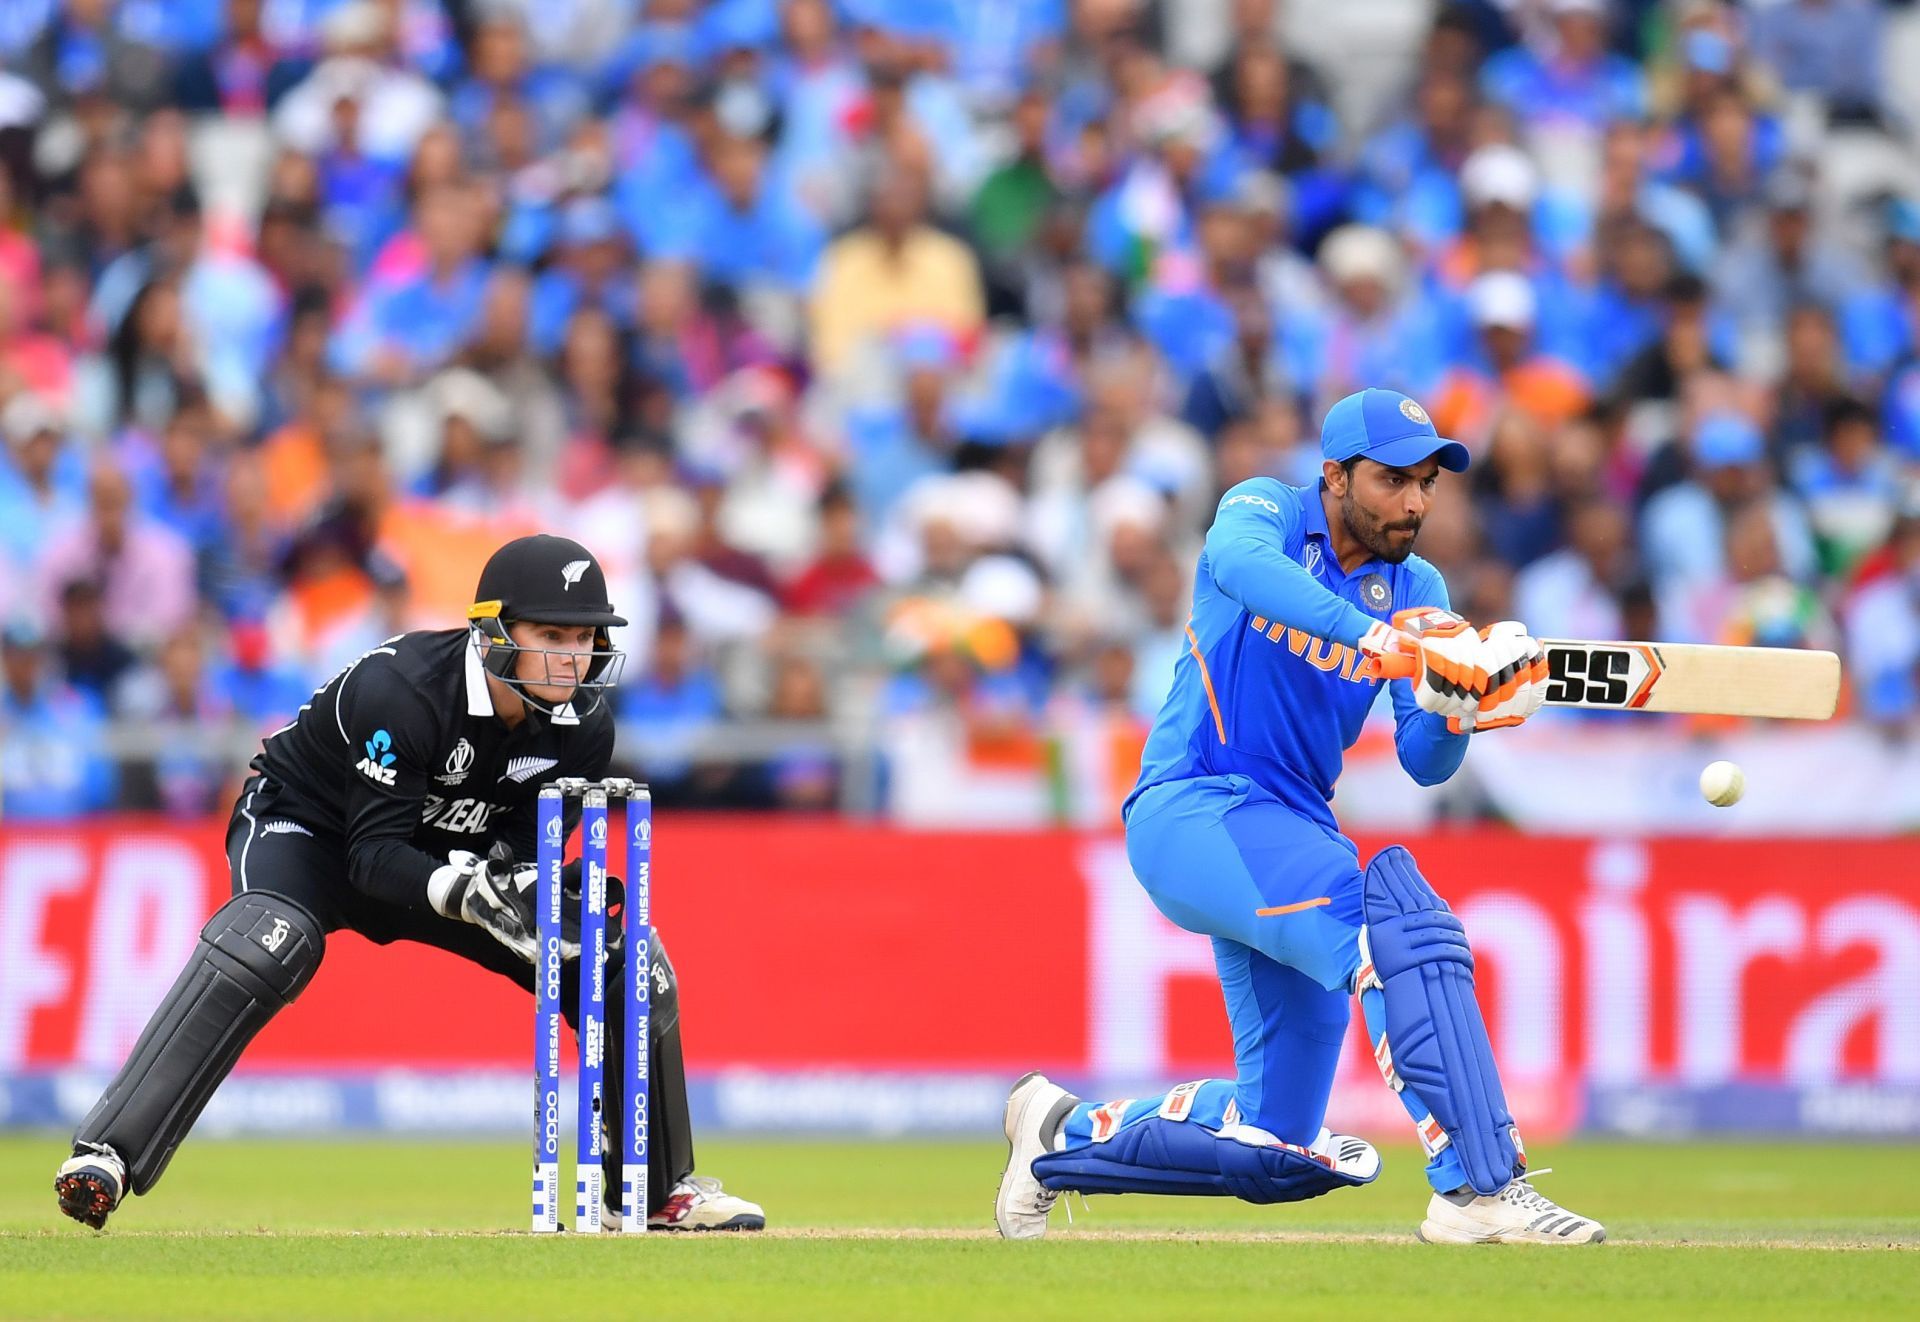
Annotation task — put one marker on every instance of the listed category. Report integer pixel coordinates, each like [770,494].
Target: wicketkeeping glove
[495,895]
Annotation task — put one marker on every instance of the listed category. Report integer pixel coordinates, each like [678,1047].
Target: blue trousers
[1278,890]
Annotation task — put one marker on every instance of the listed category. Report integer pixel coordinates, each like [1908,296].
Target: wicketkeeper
[400,803]
[1299,592]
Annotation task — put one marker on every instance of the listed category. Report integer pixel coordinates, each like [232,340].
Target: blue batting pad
[1438,1041]
[1157,1155]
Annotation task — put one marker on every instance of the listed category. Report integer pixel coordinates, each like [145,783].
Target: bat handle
[1392,665]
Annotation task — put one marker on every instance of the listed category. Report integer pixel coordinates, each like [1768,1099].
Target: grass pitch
[340,1230]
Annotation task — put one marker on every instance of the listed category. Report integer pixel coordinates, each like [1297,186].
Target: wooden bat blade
[1777,682]
[1782,683]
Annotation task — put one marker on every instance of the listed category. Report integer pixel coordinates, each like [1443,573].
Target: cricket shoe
[1349,1155]
[699,1203]
[1518,1214]
[91,1184]
[1035,1111]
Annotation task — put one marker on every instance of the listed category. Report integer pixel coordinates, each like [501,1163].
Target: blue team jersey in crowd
[1270,685]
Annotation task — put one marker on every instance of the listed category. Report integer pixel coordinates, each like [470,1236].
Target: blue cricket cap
[589,220]
[1388,428]
[1707,51]
[1727,440]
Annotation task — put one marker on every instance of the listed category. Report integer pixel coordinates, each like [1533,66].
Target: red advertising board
[823,945]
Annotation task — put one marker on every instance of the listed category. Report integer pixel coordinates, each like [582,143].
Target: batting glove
[1439,652]
[1516,676]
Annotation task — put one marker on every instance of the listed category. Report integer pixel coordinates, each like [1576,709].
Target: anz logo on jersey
[377,765]
[1316,652]
[457,816]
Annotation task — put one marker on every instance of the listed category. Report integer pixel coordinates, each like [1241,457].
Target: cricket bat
[1778,682]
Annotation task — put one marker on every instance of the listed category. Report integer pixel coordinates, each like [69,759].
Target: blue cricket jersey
[1269,686]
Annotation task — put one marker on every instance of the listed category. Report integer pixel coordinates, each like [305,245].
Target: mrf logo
[377,765]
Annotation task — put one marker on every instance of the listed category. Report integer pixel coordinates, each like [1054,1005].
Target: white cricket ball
[1723,783]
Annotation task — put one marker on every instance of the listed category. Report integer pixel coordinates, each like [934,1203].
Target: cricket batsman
[400,803]
[1299,596]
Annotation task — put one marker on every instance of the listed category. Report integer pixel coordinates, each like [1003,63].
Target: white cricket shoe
[1035,1109]
[1349,1155]
[90,1184]
[1518,1214]
[1343,1152]
[699,1203]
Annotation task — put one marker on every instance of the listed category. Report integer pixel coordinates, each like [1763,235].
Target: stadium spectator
[416,314]
[145,570]
[671,703]
[812,312]
[1574,592]
[1851,485]
[891,272]
[364,65]
[805,773]
[1568,75]
[1775,263]
[1684,532]
[840,576]
[29,358]
[1882,616]
[90,658]
[1509,369]
[53,763]
[180,699]
[1878,323]
[1828,48]
[42,482]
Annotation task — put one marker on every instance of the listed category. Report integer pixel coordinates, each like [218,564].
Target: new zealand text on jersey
[460,816]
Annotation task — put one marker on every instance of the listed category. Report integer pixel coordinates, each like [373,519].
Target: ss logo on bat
[1597,675]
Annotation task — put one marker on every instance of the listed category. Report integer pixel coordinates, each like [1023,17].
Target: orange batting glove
[1516,676]
[1440,653]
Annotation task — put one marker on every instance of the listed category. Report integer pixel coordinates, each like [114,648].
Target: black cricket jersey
[401,758]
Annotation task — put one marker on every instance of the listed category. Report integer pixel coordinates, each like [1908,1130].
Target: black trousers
[309,867]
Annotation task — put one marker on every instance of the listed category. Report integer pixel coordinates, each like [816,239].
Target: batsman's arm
[385,783]
[1247,551]
[1429,752]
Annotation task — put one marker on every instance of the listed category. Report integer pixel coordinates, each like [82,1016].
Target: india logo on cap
[1415,413]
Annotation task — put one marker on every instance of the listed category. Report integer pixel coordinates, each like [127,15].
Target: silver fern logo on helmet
[571,572]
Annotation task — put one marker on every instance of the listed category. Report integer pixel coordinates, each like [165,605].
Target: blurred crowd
[892,354]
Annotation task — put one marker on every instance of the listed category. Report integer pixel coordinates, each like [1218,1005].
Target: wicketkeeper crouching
[400,803]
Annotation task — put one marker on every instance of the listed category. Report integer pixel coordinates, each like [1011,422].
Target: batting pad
[1416,959]
[1158,1155]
